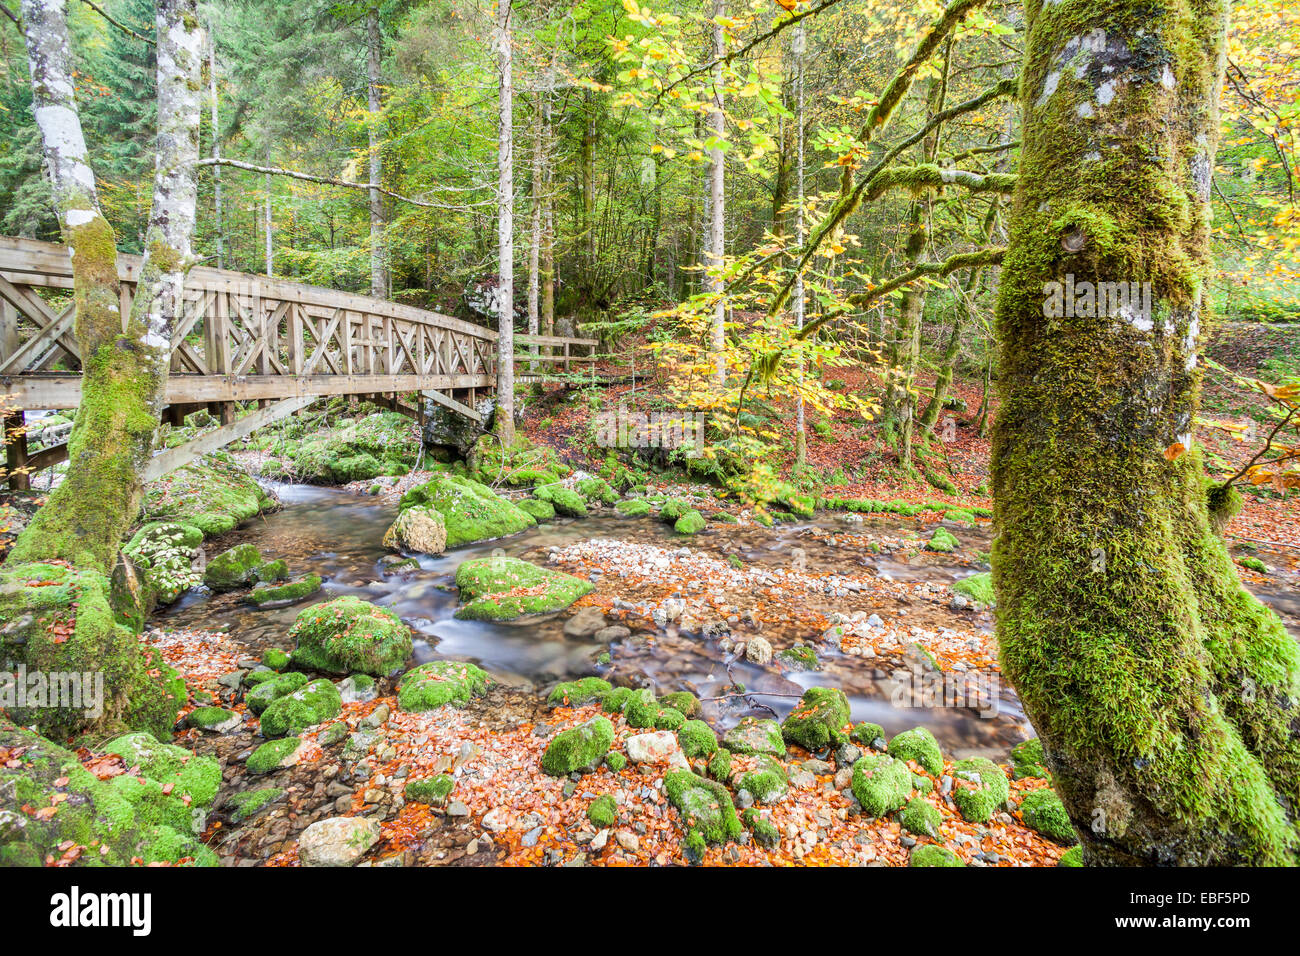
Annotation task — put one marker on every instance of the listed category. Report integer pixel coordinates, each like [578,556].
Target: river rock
[418,528]
[587,622]
[337,841]
[492,588]
[660,747]
[758,650]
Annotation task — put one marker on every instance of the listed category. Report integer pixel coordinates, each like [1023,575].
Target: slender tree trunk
[538,188]
[797,47]
[717,199]
[378,243]
[505,413]
[268,252]
[216,153]
[124,364]
[1164,693]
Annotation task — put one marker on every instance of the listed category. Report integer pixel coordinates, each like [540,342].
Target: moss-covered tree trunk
[1165,695]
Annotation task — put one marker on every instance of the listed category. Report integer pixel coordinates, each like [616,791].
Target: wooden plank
[47,457]
[455,406]
[15,442]
[173,458]
[553,340]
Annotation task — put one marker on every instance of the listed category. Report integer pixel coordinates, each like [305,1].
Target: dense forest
[873,426]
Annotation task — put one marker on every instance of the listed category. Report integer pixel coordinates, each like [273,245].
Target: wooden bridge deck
[243,337]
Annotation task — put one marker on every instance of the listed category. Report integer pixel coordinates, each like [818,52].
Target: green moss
[207,718]
[615,761]
[1027,760]
[471,511]
[705,807]
[799,657]
[540,510]
[633,507]
[597,490]
[1072,857]
[349,634]
[233,568]
[578,748]
[765,831]
[674,509]
[275,659]
[213,495]
[690,523]
[866,734]
[163,554]
[943,540]
[719,766]
[697,739]
[1254,564]
[766,782]
[503,588]
[921,818]
[980,788]
[303,708]
[579,692]
[959,514]
[933,855]
[603,812]
[266,692]
[436,683]
[270,755]
[615,701]
[977,587]
[272,572]
[1043,811]
[755,735]
[819,719]
[918,744]
[432,791]
[642,710]
[684,701]
[881,784]
[291,591]
[248,803]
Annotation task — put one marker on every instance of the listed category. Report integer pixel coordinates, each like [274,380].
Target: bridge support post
[16,452]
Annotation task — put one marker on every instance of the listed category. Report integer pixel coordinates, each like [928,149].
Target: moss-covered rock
[272,572]
[578,748]
[673,509]
[1043,811]
[719,765]
[931,854]
[921,818]
[597,491]
[431,685]
[287,593]
[881,784]
[766,833]
[60,621]
[697,739]
[977,587]
[540,510]
[566,501]
[272,755]
[170,787]
[419,528]
[275,659]
[163,553]
[295,712]
[799,657]
[867,734]
[1027,760]
[684,701]
[980,788]
[349,634]
[249,803]
[615,702]
[1071,857]
[643,711]
[266,692]
[603,812]
[502,589]
[216,720]
[633,507]
[705,807]
[943,540]
[111,826]
[766,782]
[470,511]
[213,495]
[578,692]
[755,735]
[819,720]
[233,568]
[918,744]
[615,761]
[432,791]
[690,523]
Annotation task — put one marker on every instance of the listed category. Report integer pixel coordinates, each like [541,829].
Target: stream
[338,535]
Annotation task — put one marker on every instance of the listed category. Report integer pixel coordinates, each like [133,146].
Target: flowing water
[338,535]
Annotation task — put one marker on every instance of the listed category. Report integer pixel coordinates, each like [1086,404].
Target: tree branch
[323,180]
[121,26]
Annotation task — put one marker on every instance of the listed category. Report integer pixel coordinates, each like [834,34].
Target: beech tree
[1164,693]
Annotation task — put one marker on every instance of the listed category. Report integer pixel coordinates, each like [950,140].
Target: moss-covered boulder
[266,692]
[1027,760]
[431,685]
[918,744]
[419,528]
[501,589]
[980,788]
[233,568]
[977,587]
[697,739]
[684,701]
[603,812]
[881,784]
[578,748]
[943,541]
[633,507]
[644,711]
[295,712]
[214,720]
[273,755]
[214,495]
[690,523]
[470,511]
[799,657]
[350,635]
[163,553]
[249,803]
[867,734]
[755,735]
[170,786]
[540,510]
[597,491]
[673,509]
[578,692]
[59,621]
[931,854]
[921,818]
[1043,811]
[566,501]
[819,720]
[705,807]
[432,791]
[766,782]
[51,807]
[265,595]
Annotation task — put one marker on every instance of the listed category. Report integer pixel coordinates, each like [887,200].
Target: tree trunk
[1164,693]
[535,225]
[505,413]
[797,48]
[378,243]
[124,364]
[717,199]
[216,154]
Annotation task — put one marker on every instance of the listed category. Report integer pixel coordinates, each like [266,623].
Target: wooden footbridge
[246,338]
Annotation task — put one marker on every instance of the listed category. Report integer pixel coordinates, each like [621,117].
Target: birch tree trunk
[798,46]
[717,198]
[216,153]
[505,412]
[124,364]
[535,225]
[1165,695]
[378,243]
